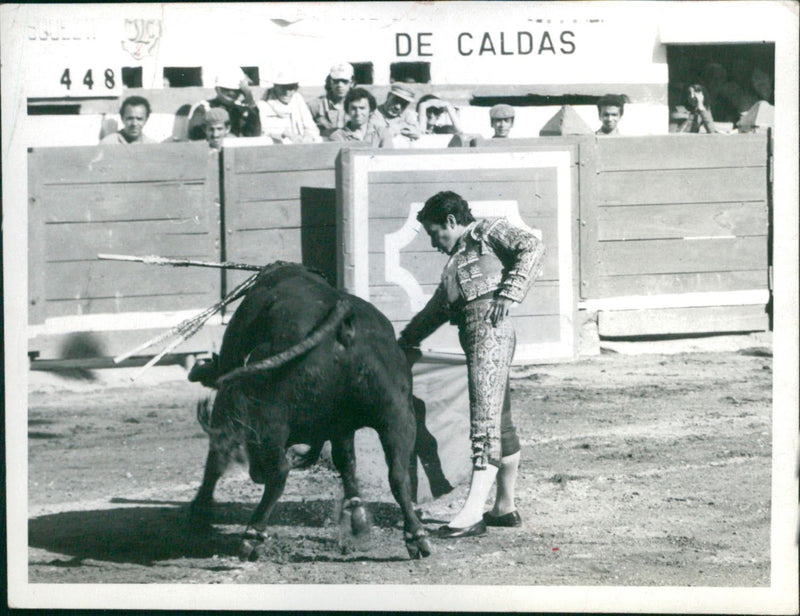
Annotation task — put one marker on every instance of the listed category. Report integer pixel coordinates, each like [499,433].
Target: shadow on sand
[160,531]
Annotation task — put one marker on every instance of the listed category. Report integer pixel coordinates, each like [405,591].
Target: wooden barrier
[250,204]
[683,218]
[149,199]
[671,232]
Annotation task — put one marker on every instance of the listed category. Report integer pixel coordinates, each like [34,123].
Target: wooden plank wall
[677,214]
[669,215]
[280,204]
[151,199]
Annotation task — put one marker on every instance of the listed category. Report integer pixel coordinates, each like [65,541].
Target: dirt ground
[637,470]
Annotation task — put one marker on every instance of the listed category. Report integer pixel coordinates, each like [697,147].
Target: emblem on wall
[142,37]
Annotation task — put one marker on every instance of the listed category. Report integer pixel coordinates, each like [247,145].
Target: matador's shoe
[476,530]
[508,520]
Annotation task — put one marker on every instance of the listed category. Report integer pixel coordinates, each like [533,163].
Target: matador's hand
[498,310]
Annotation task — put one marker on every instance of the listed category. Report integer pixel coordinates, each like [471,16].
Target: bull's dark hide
[302,363]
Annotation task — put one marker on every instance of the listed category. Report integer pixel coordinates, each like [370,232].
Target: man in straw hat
[328,110]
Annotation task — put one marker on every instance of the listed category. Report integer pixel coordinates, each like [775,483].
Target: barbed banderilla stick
[186,329]
[156,260]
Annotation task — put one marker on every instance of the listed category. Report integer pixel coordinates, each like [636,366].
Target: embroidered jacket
[492,256]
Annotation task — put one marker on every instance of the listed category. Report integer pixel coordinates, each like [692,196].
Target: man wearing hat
[328,110]
[217,126]
[502,119]
[395,115]
[284,114]
[234,96]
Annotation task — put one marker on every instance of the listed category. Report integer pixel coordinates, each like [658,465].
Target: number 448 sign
[74,78]
[90,82]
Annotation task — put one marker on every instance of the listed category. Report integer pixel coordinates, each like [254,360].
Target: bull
[301,364]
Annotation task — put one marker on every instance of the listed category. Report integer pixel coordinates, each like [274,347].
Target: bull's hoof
[358,521]
[358,516]
[252,546]
[418,544]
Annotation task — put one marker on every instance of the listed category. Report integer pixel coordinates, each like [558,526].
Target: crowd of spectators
[348,112]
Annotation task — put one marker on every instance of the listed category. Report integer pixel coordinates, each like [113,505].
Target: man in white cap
[328,110]
[284,114]
[235,96]
[395,114]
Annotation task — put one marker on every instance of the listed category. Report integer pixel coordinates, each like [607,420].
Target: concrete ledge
[700,344]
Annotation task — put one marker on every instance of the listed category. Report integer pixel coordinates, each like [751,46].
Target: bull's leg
[200,510]
[343,454]
[397,438]
[273,464]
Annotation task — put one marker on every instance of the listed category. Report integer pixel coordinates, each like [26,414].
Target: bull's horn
[331,322]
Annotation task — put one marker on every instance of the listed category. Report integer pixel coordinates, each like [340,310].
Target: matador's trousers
[489,351]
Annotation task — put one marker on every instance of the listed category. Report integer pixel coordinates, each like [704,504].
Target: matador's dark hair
[441,205]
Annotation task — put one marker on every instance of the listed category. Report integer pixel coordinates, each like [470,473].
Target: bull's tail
[331,322]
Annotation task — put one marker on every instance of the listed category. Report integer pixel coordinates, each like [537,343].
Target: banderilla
[155,260]
[189,327]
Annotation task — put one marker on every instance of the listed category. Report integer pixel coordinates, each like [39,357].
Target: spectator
[715,78]
[134,111]
[395,115]
[502,119]
[284,114]
[360,126]
[738,91]
[328,110]
[431,110]
[610,109]
[235,96]
[761,83]
[217,126]
[699,115]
